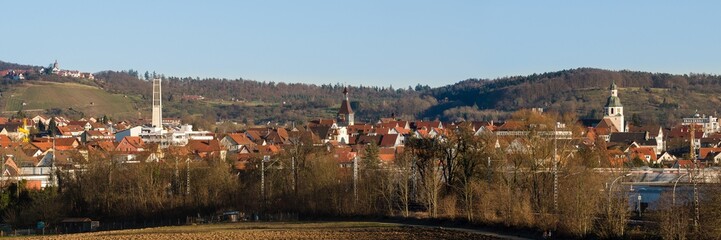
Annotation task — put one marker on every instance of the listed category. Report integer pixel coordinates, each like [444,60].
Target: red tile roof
[136,142]
[388,140]
[643,153]
[240,138]
[360,128]
[203,145]
[5,141]
[511,126]
[704,152]
[42,146]
[386,155]
[344,155]
[102,145]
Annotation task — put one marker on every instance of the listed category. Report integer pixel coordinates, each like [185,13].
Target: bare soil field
[296,230]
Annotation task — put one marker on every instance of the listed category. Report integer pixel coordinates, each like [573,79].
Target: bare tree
[579,200]
[615,212]
[402,179]
[425,151]
[473,155]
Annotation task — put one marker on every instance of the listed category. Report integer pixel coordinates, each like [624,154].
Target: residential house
[641,139]
[63,144]
[15,130]
[96,135]
[666,158]
[616,157]
[344,156]
[206,149]
[130,145]
[426,124]
[391,140]
[234,142]
[647,154]
[386,155]
[70,131]
[655,132]
[277,136]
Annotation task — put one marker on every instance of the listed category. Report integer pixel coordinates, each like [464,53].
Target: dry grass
[46,95]
[320,230]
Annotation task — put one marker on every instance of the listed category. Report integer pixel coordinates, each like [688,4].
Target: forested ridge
[653,97]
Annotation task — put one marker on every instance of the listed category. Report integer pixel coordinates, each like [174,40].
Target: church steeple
[56,67]
[614,101]
[614,90]
[345,113]
[614,108]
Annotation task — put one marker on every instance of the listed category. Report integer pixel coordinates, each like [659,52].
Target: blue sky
[381,43]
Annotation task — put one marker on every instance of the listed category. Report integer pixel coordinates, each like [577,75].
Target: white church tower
[614,109]
[157,104]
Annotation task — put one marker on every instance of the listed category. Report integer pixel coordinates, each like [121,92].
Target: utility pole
[187,176]
[693,175]
[262,178]
[176,182]
[555,167]
[639,204]
[292,168]
[694,181]
[52,165]
[490,173]
[355,179]
[692,150]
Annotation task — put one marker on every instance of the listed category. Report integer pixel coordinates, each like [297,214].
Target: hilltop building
[55,69]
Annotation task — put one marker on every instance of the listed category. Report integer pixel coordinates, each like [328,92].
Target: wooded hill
[652,97]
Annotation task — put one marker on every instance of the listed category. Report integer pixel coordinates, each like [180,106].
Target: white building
[709,124]
[614,109]
[157,133]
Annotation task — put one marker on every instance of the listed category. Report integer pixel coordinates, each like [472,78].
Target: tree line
[582,91]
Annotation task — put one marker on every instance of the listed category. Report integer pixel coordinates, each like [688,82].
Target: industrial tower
[157,104]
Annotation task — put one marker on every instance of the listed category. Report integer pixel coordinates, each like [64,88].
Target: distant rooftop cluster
[36,146]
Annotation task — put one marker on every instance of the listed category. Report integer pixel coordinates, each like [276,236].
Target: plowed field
[324,230]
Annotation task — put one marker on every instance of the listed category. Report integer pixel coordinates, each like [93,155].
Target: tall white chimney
[157,104]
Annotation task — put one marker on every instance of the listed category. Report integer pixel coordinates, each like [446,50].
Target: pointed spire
[345,105]
[613,85]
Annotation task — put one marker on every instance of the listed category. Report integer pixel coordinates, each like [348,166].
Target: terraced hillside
[93,101]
